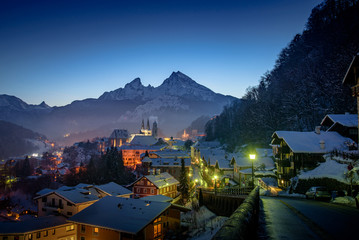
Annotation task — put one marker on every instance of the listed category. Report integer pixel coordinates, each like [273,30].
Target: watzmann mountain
[174,104]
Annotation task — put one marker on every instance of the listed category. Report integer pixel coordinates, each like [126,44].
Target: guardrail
[243,222]
[229,191]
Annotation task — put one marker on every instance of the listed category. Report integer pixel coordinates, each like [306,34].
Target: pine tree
[184,186]
[200,198]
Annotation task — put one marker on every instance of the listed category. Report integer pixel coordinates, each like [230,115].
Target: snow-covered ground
[329,169]
[349,201]
[202,224]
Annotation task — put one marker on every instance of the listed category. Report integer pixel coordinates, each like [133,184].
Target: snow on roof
[309,142]
[205,144]
[157,198]
[75,195]
[143,140]
[32,224]
[161,180]
[168,153]
[329,169]
[149,148]
[169,162]
[121,214]
[113,189]
[119,133]
[44,191]
[347,120]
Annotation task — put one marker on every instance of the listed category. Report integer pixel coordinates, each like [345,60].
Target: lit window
[95,231]
[38,235]
[70,227]
[46,233]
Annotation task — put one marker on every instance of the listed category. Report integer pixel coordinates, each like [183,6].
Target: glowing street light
[252,157]
[215,184]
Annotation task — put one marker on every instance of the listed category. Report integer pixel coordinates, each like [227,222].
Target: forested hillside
[304,85]
[13,140]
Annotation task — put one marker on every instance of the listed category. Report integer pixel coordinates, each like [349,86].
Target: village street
[287,218]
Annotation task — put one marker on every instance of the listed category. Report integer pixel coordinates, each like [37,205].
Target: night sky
[60,51]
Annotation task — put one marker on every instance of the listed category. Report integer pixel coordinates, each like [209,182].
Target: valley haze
[174,104]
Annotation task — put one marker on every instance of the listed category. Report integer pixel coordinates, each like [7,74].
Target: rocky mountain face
[174,105]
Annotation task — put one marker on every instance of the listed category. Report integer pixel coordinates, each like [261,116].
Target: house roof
[347,120]
[113,189]
[121,214]
[160,180]
[32,224]
[119,133]
[309,142]
[349,77]
[75,195]
[169,153]
[167,162]
[143,140]
[157,198]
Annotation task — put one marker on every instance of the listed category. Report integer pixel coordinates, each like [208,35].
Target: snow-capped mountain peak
[134,84]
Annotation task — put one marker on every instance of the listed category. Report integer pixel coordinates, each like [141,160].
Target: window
[157,228]
[145,190]
[30,236]
[138,190]
[44,199]
[152,191]
[82,238]
[4,238]
[83,228]
[53,231]
[95,231]
[148,183]
[69,213]
[46,233]
[43,209]
[38,235]
[70,227]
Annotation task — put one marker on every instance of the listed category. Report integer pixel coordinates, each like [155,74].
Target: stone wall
[243,223]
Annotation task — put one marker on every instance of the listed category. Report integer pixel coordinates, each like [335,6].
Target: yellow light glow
[252,156]
[215,177]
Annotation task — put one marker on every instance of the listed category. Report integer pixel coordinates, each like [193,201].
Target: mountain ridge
[175,103]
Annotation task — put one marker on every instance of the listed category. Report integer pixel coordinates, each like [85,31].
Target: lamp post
[252,157]
[215,185]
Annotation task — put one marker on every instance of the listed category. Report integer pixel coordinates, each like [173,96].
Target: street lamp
[215,185]
[252,157]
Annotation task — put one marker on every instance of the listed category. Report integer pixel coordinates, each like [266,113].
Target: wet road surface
[287,218]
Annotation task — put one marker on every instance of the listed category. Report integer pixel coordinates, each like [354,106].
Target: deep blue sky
[64,50]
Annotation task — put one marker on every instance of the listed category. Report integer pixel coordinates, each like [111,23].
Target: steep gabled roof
[309,142]
[347,120]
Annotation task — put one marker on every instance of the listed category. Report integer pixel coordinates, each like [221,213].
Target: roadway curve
[287,218]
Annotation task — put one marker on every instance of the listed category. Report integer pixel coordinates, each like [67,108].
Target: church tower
[154,129]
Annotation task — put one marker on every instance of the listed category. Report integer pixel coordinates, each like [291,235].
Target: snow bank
[349,201]
[327,169]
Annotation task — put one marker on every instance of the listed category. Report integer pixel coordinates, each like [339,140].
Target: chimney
[322,144]
[317,129]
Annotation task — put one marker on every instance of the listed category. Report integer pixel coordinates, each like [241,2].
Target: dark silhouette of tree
[304,85]
[184,183]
